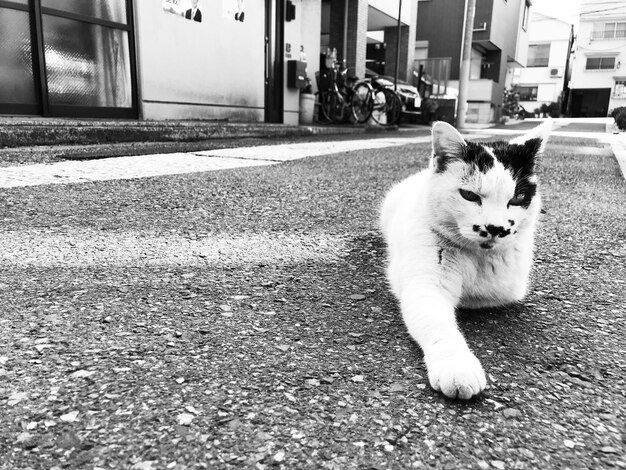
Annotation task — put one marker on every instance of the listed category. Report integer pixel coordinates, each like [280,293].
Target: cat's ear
[535,140]
[447,144]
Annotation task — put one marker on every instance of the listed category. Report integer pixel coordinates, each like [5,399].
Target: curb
[40,132]
[618,146]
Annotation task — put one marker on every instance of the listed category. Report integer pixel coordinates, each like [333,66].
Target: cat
[460,234]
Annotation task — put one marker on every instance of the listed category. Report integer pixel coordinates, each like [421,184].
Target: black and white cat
[461,234]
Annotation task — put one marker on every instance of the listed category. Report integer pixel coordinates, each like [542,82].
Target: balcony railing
[600,35]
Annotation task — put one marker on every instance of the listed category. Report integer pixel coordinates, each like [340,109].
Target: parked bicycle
[343,98]
[387,106]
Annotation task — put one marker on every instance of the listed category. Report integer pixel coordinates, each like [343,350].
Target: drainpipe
[566,91]
[345,34]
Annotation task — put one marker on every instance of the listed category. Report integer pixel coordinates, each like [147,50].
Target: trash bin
[307,108]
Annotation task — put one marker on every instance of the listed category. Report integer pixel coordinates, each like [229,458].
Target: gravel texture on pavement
[241,319]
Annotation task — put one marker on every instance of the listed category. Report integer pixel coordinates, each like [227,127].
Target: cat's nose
[497,231]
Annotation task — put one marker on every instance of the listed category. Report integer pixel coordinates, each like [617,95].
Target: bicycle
[342,98]
[387,108]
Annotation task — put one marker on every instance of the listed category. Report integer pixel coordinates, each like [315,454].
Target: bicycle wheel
[332,106]
[325,110]
[362,102]
[394,107]
[387,107]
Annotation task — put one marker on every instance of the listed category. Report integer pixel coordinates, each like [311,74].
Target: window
[610,30]
[67,58]
[600,63]
[614,30]
[538,55]
[526,16]
[527,93]
[620,89]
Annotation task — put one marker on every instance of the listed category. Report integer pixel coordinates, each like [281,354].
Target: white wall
[216,68]
[582,78]
[543,29]
[311,22]
[200,70]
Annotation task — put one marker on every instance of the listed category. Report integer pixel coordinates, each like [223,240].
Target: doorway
[590,102]
[67,58]
[274,44]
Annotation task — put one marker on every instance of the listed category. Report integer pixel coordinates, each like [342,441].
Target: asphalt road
[240,319]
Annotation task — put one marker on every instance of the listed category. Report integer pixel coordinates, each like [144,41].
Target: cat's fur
[447,249]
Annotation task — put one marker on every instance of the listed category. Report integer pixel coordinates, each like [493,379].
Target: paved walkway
[144,166]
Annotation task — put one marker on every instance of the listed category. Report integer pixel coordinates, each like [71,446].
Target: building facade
[500,42]
[170,59]
[598,82]
[545,76]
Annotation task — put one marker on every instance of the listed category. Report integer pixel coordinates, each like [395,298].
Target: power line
[620,7]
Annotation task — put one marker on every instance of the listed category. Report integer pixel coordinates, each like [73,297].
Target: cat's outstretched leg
[452,367]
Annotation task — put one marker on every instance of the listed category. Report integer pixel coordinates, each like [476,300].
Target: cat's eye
[469,196]
[518,199]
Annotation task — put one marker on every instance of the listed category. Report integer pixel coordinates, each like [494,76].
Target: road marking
[143,166]
[483,133]
[289,152]
[87,247]
[146,166]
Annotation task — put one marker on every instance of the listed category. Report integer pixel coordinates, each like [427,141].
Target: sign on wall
[188,9]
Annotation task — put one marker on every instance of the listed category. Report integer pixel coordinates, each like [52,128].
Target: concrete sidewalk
[28,132]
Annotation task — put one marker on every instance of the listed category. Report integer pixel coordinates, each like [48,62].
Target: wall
[212,69]
[216,68]
[303,31]
[407,41]
[582,78]
[442,42]
[544,29]
[391,7]
[310,35]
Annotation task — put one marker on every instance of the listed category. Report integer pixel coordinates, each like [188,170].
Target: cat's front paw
[456,375]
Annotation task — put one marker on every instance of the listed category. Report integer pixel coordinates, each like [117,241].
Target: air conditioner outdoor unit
[556,72]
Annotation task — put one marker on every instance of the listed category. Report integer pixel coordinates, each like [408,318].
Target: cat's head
[483,194]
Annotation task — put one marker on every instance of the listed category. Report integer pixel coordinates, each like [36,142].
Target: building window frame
[604,63]
[38,14]
[609,30]
[527,92]
[539,60]
[619,89]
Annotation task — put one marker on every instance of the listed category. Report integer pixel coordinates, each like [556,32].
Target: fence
[432,76]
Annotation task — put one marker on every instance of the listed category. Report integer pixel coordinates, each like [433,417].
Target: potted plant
[619,115]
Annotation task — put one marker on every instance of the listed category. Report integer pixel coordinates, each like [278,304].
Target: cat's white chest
[493,279]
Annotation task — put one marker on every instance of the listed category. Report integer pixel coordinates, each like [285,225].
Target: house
[545,76]
[598,82]
[181,59]
[500,42]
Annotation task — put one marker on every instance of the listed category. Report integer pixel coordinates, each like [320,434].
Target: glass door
[18,80]
[82,60]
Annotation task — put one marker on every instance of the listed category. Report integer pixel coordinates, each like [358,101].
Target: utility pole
[466,56]
[399,27]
